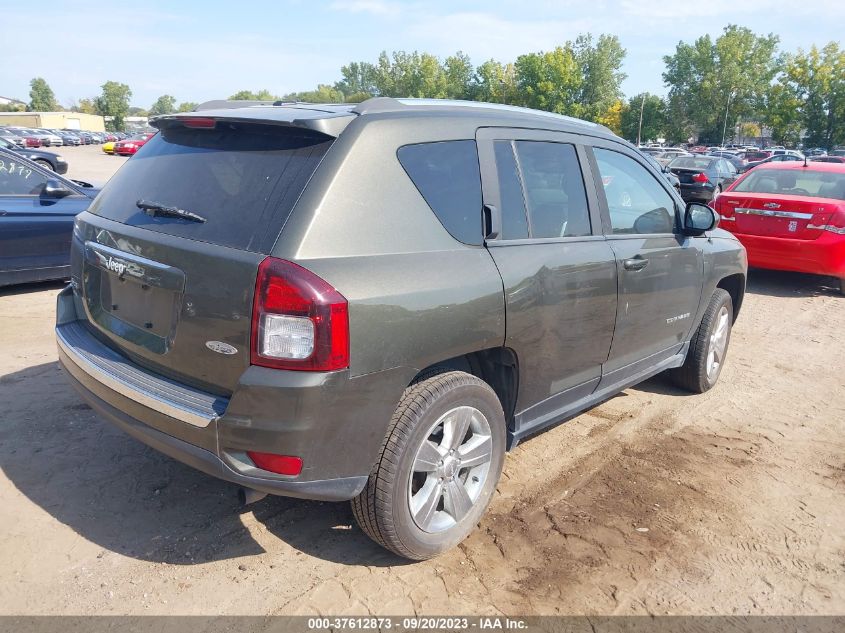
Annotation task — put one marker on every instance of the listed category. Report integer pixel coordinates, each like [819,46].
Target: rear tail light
[700,177]
[724,209]
[281,464]
[835,224]
[298,320]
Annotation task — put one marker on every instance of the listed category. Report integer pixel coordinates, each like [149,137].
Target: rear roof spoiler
[330,120]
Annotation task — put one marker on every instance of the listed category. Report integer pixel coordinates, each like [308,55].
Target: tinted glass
[693,162]
[243,178]
[446,173]
[636,201]
[803,182]
[554,189]
[514,222]
[18,178]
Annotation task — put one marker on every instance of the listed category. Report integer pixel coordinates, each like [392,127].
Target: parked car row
[47,160]
[42,137]
[127,146]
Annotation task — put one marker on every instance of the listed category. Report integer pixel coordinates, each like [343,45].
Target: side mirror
[55,189]
[699,218]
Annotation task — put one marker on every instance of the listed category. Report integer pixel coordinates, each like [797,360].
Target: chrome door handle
[635,263]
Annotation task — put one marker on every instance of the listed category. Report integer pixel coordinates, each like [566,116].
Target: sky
[202,50]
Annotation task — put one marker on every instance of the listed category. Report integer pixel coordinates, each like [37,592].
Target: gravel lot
[89,162]
[731,502]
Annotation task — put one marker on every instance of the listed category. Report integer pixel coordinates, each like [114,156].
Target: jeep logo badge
[221,348]
[115,266]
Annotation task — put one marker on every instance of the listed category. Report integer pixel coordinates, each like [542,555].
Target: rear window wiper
[157,209]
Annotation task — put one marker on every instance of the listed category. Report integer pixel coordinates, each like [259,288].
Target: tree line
[739,81]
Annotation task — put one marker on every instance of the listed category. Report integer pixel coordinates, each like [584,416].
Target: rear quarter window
[447,175]
[243,178]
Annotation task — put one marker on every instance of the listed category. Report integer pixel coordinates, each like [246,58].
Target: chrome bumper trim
[775,214]
[197,408]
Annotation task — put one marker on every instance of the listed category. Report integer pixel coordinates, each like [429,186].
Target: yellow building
[55,120]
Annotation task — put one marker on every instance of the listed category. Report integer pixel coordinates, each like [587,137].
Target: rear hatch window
[243,178]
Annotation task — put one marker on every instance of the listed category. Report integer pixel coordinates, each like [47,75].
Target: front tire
[708,347]
[437,468]
[45,164]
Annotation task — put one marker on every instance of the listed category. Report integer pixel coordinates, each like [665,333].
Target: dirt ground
[731,502]
[89,163]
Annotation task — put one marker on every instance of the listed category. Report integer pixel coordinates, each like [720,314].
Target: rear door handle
[635,263]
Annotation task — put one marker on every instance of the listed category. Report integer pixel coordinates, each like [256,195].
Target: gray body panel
[578,325]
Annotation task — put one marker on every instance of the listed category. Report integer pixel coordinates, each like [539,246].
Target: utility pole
[640,129]
[727,108]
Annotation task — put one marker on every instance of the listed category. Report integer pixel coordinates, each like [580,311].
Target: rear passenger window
[554,189]
[514,222]
[446,173]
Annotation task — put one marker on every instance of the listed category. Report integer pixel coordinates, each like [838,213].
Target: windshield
[691,162]
[794,182]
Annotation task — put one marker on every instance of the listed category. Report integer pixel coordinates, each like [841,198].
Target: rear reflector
[281,464]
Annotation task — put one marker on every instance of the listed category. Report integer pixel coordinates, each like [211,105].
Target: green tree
[712,84]
[323,94]
[494,82]
[137,111]
[187,106]
[654,118]
[87,106]
[783,113]
[601,69]
[165,104]
[459,73]
[550,80]
[41,97]
[114,103]
[357,97]
[358,77]
[412,74]
[810,94]
[247,95]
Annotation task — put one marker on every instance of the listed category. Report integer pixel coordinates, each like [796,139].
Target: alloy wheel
[450,469]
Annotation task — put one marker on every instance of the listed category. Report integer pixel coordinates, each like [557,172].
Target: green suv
[375,302]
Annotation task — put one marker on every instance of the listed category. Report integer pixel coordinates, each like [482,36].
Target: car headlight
[130,145]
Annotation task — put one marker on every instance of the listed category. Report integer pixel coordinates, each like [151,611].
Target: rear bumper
[696,192]
[334,423]
[824,255]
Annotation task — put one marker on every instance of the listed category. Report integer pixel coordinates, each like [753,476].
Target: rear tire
[842,286]
[708,347]
[437,468]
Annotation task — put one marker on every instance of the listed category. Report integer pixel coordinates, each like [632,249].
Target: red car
[790,216]
[129,146]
